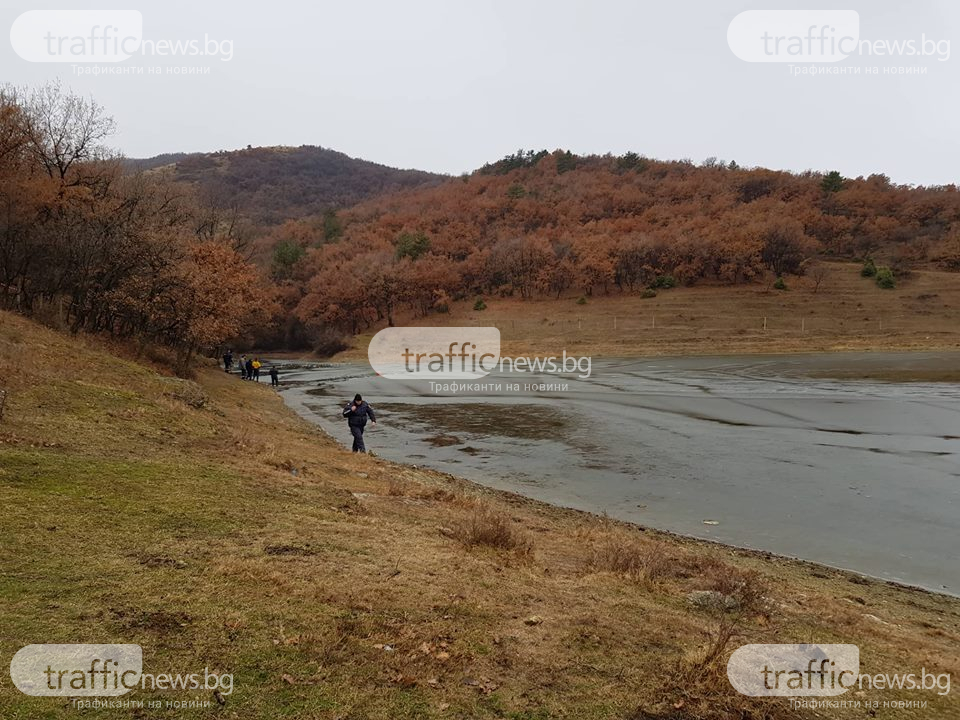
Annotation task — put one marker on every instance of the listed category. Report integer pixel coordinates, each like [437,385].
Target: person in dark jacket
[227,360]
[274,376]
[356,414]
[249,368]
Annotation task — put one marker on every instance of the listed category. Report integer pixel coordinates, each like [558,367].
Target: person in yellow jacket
[256,369]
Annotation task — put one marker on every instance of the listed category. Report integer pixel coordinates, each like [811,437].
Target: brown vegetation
[84,246]
[273,184]
[555,225]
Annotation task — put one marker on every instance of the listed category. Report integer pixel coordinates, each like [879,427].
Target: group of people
[250,368]
[356,412]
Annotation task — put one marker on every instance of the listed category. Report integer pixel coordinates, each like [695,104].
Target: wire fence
[666,324]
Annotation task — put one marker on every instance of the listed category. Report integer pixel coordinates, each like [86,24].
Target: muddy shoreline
[755,452]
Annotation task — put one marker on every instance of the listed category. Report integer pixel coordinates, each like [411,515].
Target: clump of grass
[483,525]
[701,679]
[397,487]
[400,487]
[436,493]
[746,587]
[648,560]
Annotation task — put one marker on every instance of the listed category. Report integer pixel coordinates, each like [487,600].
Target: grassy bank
[209,524]
[844,312]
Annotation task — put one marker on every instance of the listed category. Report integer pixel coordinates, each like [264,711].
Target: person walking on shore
[243,367]
[227,360]
[249,369]
[256,369]
[356,414]
[274,376]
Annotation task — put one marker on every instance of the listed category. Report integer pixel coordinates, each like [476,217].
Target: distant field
[846,312]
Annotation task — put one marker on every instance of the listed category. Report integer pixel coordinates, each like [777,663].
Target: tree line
[85,245]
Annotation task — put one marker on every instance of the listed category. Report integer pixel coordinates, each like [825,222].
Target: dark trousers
[357,432]
[274,381]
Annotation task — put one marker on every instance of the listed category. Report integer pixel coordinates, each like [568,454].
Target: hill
[207,523]
[542,225]
[274,184]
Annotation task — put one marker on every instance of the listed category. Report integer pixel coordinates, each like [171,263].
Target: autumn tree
[785,246]
[111,252]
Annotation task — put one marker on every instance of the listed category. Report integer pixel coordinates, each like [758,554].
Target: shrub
[581,300]
[868,269]
[484,526]
[780,284]
[885,278]
[648,293]
[664,281]
[644,560]
[479,304]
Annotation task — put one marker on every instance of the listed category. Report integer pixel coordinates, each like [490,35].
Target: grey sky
[447,86]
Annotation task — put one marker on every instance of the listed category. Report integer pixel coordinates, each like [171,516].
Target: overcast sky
[448,85]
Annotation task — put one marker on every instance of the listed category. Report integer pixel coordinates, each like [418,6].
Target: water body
[764,452]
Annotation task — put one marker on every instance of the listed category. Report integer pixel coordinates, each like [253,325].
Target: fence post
[803,325]
[579,325]
[614,322]
[654,325]
[764,323]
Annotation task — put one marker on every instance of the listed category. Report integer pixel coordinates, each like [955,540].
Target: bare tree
[65,130]
[818,272]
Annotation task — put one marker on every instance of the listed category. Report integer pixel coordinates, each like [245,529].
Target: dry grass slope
[846,312]
[212,526]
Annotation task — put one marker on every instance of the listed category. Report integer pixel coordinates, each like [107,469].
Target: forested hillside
[549,224]
[273,184]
